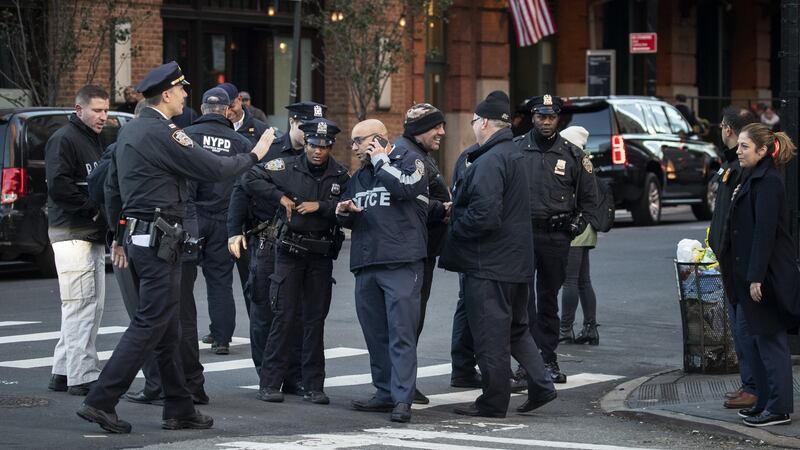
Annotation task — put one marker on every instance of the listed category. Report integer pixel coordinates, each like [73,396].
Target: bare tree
[47,40]
[364,41]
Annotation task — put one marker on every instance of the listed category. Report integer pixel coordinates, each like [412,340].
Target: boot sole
[175,424]
[105,425]
[775,422]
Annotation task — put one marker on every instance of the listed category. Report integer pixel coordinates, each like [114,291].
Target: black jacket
[71,154]
[245,211]
[763,251]
[438,194]
[727,178]
[293,178]
[215,133]
[393,192]
[557,175]
[152,163]
[252,128]
[490,234]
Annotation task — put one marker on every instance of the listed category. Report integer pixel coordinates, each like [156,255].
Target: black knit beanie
[496,106]
[421,118]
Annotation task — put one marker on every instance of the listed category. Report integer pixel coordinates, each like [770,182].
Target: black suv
[23,198]
[648,151]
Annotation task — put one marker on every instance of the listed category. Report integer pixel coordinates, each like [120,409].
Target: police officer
[423,130]
[254,214]
[308,188]
[562,185]
[215,133]
[154,160]
[387,212]
[243,120]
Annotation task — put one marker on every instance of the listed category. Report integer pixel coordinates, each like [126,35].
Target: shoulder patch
[276,165]
[182,138]
[420,167]
[587,164]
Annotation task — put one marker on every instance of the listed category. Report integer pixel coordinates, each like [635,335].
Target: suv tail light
[13,187]
[618,154]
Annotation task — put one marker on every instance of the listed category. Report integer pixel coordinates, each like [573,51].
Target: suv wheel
[47,263]
[647,210]
[704,210]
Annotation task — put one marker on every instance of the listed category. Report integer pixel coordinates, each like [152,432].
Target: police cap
[306,110]
[216,96]
[320,132]
[545,104]
[231,89]
[160,79]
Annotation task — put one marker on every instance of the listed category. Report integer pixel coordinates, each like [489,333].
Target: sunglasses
[359,139]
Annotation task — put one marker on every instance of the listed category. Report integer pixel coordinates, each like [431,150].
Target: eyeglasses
[359,139]
[472,122]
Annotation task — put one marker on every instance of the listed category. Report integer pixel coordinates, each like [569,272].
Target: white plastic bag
[689,250]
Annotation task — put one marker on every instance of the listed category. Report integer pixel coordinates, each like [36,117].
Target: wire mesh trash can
[707,335]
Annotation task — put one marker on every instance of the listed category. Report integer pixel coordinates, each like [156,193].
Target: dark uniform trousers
[155,328]
[742,341]
[462,350]
[550,257]
[243,269]
[217,264]
[388,309]
[262,266]
[300,284]
[425,292]
[497,314]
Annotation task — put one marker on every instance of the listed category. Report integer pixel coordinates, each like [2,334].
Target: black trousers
[578,288]
[304,283]
[425,293]
[262,266]
[462,350]
[243,269]
[217,264]
[155,329]
[498,316]
[550,255]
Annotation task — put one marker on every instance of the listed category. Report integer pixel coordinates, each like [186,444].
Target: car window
[595,122]
[676,121]
[630,119]
[658,119]
[38,130]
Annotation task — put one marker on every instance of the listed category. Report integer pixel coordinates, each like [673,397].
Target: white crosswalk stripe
[52,335]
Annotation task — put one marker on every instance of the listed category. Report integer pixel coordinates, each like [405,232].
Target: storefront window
[282,69]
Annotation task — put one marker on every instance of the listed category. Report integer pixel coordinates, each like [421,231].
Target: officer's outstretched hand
[262,146]
[118,257]
[347,206]
[235,244]
[288,204]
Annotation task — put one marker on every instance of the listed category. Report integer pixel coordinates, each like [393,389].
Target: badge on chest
[561,167]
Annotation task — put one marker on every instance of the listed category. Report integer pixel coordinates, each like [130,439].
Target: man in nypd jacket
[387,213]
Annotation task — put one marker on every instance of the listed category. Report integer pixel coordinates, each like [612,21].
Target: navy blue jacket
[490,234]
[215,133]
[245,211]
[762,251]
[393,192]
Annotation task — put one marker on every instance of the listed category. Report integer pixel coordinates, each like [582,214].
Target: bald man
[387,211]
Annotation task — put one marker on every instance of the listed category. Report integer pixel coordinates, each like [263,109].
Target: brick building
[726,49]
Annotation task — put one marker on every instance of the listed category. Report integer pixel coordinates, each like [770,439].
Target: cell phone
[383,142]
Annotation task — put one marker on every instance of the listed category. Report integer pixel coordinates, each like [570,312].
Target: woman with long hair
[766,280]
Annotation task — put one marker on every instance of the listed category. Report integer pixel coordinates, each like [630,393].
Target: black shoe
[520,374]
[473,411]
[220,349]
[555,373]
[588,335]
[208,339]
[270,394]
[749,412]
[196,421]
[531,404]
[57,383]
[472,381]
[401,413]
[766,419]
[518,385]
[294,388]
[317,397]
[372,405]
[566,335]
[107,421]
[200,397]
[142,398]
[80,389]
[420,398]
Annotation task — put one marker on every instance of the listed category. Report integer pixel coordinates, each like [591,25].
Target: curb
[614,403]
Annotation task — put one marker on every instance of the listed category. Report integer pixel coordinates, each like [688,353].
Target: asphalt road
[634,278]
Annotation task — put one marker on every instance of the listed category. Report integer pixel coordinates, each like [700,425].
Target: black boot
[588,335]
[566,335]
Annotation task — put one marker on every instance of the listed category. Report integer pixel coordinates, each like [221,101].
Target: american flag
[532,21]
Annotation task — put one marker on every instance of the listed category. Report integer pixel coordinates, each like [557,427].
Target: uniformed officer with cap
[562,186]
[154,160]
[243,120]
[215,133]
[308,188]
[247,213]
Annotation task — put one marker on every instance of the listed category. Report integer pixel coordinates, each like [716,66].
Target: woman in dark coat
[766,280]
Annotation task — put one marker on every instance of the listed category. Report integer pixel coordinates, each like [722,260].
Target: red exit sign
[643,42]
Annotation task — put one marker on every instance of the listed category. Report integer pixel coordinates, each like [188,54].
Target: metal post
[790,95]
[295,52]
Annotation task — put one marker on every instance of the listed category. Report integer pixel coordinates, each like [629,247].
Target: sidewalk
[697,399]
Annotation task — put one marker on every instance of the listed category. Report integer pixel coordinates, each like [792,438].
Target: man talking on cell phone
[387,212]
